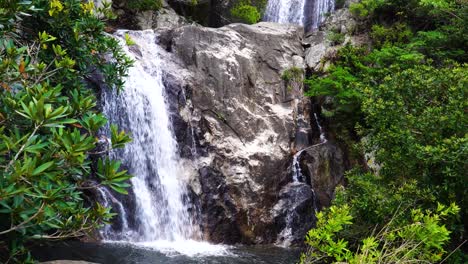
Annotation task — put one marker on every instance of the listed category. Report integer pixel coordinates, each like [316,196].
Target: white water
[161,214]
[108,200]
[309,13]
[285,11]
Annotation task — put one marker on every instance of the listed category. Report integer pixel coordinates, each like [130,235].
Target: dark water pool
[124,253]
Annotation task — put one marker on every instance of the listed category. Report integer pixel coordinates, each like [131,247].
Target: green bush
[49,123]
[335,37]
[397,34]
[419,240]
[293,77]
[246,12]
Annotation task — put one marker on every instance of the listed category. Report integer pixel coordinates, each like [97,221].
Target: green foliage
[49,124]
[293,77]
[406,95]
[397,34]
[128,40]
[246,12]
[420,239]
[365,8]
[335,37]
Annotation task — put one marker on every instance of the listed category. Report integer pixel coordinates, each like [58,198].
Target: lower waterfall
[161,216]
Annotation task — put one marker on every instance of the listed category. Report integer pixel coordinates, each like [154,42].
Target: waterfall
[162,212]
[307,13]
[316,12]
[296,166]
[323,138]
[285,11]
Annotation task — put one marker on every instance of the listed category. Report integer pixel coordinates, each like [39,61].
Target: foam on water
[189,248]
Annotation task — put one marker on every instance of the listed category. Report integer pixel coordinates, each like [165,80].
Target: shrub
[335,37]
[246,12]
[421,239]
[406,95]
[293,77]
[397,34]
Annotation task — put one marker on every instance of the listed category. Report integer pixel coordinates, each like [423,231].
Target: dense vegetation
[49,50]
[402,101]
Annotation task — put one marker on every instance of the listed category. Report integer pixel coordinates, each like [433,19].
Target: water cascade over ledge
[286,235]
[162,211]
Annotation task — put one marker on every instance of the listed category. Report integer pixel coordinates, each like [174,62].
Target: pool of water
[117,253]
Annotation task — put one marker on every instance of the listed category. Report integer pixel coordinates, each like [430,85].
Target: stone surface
[324,169]
[319,49]
[243,117]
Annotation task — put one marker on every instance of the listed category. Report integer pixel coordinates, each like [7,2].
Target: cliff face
[243,120]
[239,122]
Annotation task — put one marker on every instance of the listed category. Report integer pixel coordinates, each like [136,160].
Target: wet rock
[294,211]
[221,223]
[244,119]
[324,168]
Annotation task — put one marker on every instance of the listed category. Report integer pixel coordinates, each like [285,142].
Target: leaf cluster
[419,240]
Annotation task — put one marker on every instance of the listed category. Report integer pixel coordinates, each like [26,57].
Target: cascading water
[284,237]
[308,13]
[162,217]
[108,200]
[285,11]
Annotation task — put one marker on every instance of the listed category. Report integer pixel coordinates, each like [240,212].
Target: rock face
[324,170]
[239,119]
[243,121]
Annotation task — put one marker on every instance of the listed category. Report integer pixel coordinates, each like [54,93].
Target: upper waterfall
[307,13]
[285,11]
